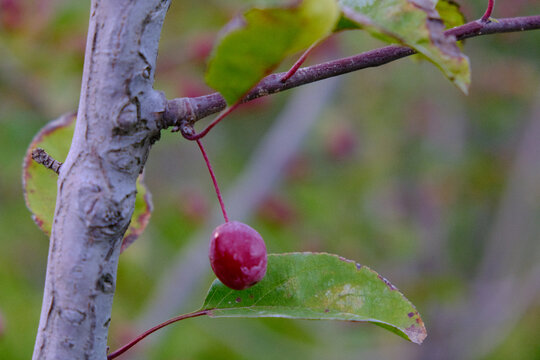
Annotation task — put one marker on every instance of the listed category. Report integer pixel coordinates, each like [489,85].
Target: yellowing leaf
[413,23]
[39,183]
[450,13]
[256,42]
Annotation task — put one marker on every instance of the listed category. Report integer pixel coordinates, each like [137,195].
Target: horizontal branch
[182,110]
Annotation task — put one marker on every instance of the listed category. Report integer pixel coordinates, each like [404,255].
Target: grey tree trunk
[118,120]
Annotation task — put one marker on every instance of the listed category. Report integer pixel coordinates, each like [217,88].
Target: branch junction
[182,111]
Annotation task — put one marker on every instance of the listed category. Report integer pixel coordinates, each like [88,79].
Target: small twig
[214,181]
[130,344]
[41,157]
[489,10]
[189,133]
[298,63]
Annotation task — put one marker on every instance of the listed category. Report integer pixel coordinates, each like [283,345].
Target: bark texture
[118,118]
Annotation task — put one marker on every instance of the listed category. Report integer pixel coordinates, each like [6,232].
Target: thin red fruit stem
[220,117]
[218,192]
[489,10]
[298,63]
[130,344]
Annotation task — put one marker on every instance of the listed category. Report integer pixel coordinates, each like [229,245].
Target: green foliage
[252,45]
[39,183]
[450,13]
[407,23]
[320,286]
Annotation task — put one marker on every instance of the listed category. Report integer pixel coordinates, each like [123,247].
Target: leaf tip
[416,332]
[463,87]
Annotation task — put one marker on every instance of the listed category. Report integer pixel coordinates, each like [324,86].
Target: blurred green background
[437,191]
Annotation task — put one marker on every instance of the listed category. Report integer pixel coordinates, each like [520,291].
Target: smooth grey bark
[117,122]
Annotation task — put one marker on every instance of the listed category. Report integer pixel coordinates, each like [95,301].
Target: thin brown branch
[41,157]
[190,110]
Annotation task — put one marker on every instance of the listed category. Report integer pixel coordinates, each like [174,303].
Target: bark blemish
[74,316]
[68,343]
[123,160]
[105,283]
[126,119]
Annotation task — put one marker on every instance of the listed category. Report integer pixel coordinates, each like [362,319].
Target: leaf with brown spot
[412,23]
[320,286]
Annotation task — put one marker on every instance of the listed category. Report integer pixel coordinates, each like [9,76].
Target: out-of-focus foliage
[450,13]
[402,173]
[253,44]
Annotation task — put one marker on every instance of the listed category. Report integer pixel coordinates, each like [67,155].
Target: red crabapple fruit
[237,255]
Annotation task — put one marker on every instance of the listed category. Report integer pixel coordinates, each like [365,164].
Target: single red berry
[237,255]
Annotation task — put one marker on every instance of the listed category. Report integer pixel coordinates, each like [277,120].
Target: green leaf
[252,45]
[320,286]
[450,13]
[413,23]
[141,214]
[39,183]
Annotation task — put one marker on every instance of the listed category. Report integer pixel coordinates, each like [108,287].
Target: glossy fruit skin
[237,255]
